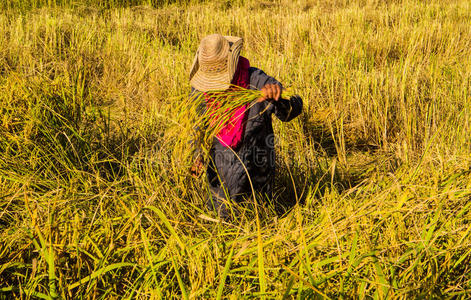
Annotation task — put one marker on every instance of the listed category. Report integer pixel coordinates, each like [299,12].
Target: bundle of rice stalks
[201,116]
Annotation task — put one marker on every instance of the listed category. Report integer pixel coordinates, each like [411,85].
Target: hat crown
[215,62]
[214,50]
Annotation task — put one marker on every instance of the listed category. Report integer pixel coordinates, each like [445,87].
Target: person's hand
[270,92]
[197,167]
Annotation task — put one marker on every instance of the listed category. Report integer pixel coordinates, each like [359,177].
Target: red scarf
[232,132]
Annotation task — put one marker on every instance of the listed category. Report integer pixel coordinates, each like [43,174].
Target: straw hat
[215,62]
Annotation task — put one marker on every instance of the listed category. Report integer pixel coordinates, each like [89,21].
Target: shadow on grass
[295,183]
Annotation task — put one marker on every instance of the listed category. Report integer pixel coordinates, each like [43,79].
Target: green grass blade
[167,224]
[180,281]
[98,273]
[222,282]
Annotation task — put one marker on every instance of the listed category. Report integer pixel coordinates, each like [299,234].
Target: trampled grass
[373,179]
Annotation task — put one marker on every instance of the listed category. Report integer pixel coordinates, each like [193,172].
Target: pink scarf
[233,131]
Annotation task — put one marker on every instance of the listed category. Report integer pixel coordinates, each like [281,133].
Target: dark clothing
[255,157]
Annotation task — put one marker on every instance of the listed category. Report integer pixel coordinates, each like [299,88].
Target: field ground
[373,185]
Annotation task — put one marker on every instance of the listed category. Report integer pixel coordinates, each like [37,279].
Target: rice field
[373,186]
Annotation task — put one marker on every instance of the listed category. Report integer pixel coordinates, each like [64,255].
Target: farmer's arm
[288,109]
[284,109]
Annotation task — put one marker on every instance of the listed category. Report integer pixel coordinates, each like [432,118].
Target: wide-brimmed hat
[215,62]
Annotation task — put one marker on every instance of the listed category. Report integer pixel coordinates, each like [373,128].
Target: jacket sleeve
[284,109]
[288,109]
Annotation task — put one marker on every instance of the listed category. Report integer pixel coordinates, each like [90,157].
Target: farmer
[242,157]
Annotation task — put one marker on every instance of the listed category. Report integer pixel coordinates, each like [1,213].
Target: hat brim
[204,82]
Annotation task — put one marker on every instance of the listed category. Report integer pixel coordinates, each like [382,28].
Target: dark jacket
[255,157]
